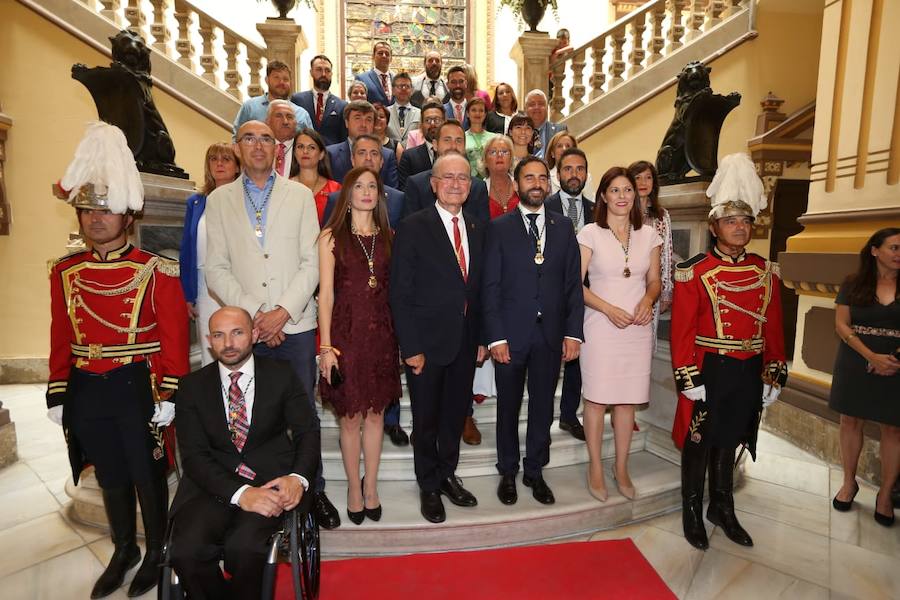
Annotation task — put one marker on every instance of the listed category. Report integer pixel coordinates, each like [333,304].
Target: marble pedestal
[8,448]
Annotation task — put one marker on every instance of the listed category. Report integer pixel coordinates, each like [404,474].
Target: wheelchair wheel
[310,555]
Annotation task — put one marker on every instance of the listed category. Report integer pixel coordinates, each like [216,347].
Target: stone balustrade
[627,47]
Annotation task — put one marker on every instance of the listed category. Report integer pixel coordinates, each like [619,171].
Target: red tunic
[729,307]
[322,198]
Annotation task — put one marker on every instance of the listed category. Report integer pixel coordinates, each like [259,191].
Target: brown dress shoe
[471,435]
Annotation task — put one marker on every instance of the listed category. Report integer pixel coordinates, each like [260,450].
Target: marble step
[403,530]
[397,463]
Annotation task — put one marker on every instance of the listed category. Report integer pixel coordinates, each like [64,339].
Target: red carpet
[575,571]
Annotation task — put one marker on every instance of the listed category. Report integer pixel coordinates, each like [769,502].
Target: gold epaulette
[684,271]
[774,268]
[167,266]
[52,262]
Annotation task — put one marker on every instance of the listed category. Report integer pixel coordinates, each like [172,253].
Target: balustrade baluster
[558,102]
[159,30]
[232,75]
[695,18]
[598,76]
[636,57]
[135,17]
[208,61]
[657,42]
[110,10]
[713,14]
[183,45]
[577,91]
[676,30]
[254,61]
[617,66]
[732,7]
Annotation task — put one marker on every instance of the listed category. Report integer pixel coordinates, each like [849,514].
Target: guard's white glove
[696,393]
[770,394]
[164,413]
[55,414]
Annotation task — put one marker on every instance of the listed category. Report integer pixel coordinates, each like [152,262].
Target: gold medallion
[373,283]
[626,273]
[538,259]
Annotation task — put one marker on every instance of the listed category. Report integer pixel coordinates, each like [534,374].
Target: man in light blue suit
[536,108]
[278,84]
[379,79]
[359,118]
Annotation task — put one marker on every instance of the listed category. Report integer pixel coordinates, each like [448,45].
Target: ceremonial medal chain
[370,254]
[626,272]
[232,416]
[258,230]
[142,275]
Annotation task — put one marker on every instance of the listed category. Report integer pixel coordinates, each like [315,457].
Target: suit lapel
[216,405]
[239,210]
[260,398]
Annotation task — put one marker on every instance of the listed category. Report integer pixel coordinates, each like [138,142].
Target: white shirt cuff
[497,343]
[237,495]
[302,480]
[575,339]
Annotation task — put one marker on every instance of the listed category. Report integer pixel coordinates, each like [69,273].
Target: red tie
[237,419]
[279,160]
[458,248]
[319,106]
[384,84]
[459,112]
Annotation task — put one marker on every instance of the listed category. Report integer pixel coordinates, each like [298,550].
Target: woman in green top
[476,136]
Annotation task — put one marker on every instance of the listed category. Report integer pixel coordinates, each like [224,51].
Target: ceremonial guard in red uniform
[119,343]
[727,351]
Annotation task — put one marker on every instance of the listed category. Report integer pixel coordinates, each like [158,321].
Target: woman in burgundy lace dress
[356,331]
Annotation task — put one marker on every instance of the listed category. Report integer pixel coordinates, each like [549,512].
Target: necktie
[573,211]
[320,105]
[279,160]
[402,115]
[433,83]
[458,248]
[459,112]
[237,419]
[532,226]
[384,84]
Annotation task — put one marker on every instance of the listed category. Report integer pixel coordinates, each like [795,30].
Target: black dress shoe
[456,493]
[884,520]
[397,435]
[539,489]
[326,514]
[506,491]
[356,517]
[575,428]
[432,507]
[845,505]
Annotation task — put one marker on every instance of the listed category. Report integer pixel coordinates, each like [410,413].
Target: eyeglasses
[253,140]
[433,120]
[450,178]
[503,152]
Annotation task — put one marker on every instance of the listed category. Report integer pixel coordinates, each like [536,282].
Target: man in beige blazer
[262,256]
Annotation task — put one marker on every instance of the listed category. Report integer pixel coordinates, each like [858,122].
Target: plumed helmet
[736,190]
[103,176]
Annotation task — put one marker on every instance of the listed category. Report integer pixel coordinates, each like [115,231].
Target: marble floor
[804,549]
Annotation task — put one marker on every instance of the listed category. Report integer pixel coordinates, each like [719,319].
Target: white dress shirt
[288,155]
[247,383]
[446,218]
[390,80]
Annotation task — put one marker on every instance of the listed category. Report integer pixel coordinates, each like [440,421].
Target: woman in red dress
[310,167]
[357,332]
[498,157]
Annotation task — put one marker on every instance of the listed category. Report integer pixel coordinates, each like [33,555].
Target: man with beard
[359,118]
[455,107]
[536,108]
[429,84]
[278,84]
[572,167]
[326,109]
[232,493]
[379,79]
[533,317]
[404,117]
[419,159]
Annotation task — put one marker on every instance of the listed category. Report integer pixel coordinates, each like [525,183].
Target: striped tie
[237,419]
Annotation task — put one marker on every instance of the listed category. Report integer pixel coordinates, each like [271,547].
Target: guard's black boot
[721,500]
[119,504]
[154,499]
[693,475]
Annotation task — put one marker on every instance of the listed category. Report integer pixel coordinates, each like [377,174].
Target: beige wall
[49,110]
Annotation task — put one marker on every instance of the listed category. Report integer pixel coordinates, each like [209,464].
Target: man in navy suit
[359,118]
[419,159]
[572,168]
[533,317]
[420,192]
[436,265]
[379,78]
[536,108]
[455,107]
[326,109]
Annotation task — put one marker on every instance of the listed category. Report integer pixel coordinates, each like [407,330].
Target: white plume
[736,179]
[104,159]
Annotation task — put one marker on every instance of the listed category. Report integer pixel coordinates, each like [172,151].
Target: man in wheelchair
[249,444]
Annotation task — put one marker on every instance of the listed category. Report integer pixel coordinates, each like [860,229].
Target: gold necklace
[370,253]
[626,272]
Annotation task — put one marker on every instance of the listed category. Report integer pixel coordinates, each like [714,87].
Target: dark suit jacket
[434,309]
[545,133]
[332,128]
[451,114]
[209,457]
[494,122]
[554,203]
[395,205]
[375,92]
[419,195]
[415,160]
[339,156]
[516,289]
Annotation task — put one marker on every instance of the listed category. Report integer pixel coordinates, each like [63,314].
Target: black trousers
[109,417]
[440,396]
[733,402]
[202,530]
[540,362]
[570,398]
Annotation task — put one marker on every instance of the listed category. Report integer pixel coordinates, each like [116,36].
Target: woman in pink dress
[621,259]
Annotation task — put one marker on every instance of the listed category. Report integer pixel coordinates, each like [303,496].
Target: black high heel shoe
[372,513]
[358,516]
[844,506]
[883,520]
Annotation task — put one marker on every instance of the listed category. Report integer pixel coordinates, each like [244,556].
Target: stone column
[532,56]
[285,42]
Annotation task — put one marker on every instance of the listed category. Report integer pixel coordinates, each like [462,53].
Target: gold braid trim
[684,275]
[78,301]
[168,267]
[135,282]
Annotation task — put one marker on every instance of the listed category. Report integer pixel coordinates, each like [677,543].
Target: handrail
[225,29]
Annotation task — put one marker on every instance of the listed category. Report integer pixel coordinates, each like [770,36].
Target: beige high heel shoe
[599,493]
[627,491]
